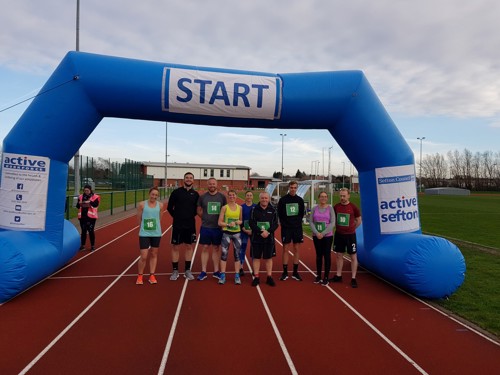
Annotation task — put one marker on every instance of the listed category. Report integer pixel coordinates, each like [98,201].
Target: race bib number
[149,224]
[246,225]
[320,226]
[292,209]
[343,220]
[264,225]
[213,208]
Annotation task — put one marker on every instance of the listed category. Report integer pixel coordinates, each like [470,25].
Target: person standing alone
[87,215]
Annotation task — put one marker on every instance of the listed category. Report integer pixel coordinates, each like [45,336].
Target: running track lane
[127,329]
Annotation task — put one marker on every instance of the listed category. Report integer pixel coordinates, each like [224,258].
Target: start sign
[221,94]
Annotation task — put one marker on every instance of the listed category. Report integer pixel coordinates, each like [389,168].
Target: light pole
[420,164]
[282,148]
[166,156]
[76,158]
[343,172]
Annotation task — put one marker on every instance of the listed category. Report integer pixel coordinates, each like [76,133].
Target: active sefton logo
[400,209]
[24,163]
[397,199]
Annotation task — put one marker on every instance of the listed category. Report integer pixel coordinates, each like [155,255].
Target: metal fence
[104,174]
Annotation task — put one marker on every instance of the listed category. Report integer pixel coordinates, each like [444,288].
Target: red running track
[91,318]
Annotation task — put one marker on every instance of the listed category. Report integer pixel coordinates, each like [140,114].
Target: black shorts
[147,242]
[343,242]
[292,234]
[183,235]
[262,250]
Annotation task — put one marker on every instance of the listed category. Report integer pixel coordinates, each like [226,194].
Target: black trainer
[270,281]
[317,280]
[324,282]
[296,276]
[336,279]
[255,281]
[284,276]
[354,283]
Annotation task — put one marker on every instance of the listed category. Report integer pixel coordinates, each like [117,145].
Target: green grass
[472,218]
[478,300]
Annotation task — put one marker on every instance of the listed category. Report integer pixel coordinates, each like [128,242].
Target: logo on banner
[397,199]
[221,94]
[24,163]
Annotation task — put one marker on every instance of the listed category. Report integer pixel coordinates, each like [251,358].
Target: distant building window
[205,172]
[211,173]
[228,173]
[222,172]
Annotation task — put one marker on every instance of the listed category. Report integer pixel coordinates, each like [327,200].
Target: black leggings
[87,225]
[323,249]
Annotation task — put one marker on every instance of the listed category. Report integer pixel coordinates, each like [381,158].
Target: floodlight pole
[282,148]
[420,164]
[76,158]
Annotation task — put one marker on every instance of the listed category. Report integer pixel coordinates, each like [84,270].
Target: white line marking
[168,346]
[281,342]
[369,324]
[69,326]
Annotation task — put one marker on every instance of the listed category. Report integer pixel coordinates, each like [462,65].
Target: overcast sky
[435,64]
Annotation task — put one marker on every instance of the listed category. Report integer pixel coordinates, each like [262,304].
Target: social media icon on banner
[20,186]
[18,207]
[19,197]
[17,219]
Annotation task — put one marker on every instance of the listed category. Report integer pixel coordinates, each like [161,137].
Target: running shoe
[336,279]
[217,274]
[354,283]
[242,273]
[175,275]
[202,276]
[152,279]
[222,278]
[139,280]
[237,279]
[270,281]
[255,281]
[296,276]
[324,282]
[188,275]
[82,247]
[284,276]
[92,248]
[317,280]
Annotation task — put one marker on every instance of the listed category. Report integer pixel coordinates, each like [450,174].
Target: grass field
[472,223]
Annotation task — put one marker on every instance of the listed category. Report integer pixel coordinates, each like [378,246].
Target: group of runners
[225,222]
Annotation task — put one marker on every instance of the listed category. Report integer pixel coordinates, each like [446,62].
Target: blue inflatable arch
[85,88]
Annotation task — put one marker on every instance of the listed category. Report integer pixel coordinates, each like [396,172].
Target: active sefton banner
[397,199]
[23,192]
[221,94]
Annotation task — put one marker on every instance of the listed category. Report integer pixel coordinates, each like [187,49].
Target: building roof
[194,165]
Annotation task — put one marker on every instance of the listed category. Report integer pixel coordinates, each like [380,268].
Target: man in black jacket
[263,222]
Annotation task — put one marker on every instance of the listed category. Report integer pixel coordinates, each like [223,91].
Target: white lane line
[168,346]
[281,342]
[69,326]
[369,324]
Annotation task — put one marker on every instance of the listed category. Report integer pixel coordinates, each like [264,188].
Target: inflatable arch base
[426,265]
